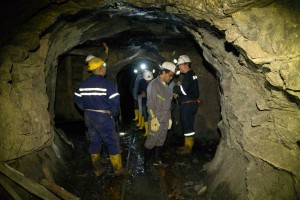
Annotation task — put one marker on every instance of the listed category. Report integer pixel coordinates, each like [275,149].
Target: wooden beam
[56,189]
[7,186]
[64,137]
[27,183]
[47,172]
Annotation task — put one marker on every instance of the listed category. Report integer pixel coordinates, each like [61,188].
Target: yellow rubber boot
[140,120]
[116,162]
[136,114]
[96,163]
[146,129]
[142,123]
[188,146]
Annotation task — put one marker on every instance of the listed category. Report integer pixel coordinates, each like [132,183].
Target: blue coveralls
[143,88]
[137,98]
[94,94]
[188,93]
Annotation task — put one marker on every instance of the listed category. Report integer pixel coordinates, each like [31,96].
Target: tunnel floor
[182,179]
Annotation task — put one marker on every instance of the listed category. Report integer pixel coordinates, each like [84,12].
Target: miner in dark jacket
[99,99]
[188,94]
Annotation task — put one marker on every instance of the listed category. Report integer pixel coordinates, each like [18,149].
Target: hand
[154,124]
[170,124]
[175,96]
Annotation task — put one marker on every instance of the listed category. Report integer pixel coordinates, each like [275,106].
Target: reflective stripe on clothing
[182,90]
[97,93]
[92,91]
[189,88]
[77,94]
[114,95]
[92,94]
[187,117]
[189,134]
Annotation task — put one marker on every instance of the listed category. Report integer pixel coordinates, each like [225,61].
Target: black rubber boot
[157,157]
[147,155]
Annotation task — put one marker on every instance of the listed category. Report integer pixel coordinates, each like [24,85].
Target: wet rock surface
[182,179]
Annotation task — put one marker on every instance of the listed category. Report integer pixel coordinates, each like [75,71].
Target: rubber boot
[142,123]
[116,162]
[188,146]
[157,157]
[96,163]
[136,114]
[139,120]
[147,155]
[146,129]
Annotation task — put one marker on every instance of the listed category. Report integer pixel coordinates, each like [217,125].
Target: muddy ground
[182,179]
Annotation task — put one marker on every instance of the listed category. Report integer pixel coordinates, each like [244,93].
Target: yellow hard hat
[94,63]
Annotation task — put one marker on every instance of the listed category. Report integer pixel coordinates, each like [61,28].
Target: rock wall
[24,118]
[260,119]
[259,88]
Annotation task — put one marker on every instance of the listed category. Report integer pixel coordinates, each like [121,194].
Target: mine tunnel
[247,128]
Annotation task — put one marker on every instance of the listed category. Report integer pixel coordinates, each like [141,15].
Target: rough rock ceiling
[133,25]
[15,13]
[134,32]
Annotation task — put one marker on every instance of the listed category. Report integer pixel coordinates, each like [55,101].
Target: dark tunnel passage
[125,83]
[177,181]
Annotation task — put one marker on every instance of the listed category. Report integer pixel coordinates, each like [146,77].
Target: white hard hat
[183,59]
[148,75]
[169,65]
[89,57]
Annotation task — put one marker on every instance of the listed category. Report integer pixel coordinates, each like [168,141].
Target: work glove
[154,124]
[170,124]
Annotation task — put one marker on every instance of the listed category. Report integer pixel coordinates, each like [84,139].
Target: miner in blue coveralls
[188,98]
[99,99]
[138,102]
[147,77]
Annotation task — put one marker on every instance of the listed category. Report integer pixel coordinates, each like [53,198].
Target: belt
[197,101]
[100,111]
[191,101]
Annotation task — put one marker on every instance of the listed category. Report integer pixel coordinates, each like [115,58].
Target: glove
[154,124]
[170,124]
